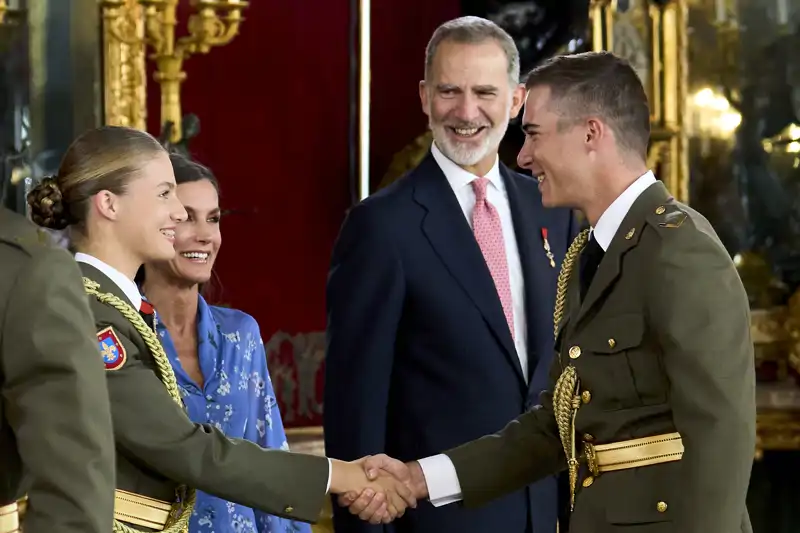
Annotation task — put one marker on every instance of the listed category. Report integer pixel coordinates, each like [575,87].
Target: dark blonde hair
[103,159]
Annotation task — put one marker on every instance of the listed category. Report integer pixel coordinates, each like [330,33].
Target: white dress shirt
[611,219]
[129,288]
[439,471]
[460,181]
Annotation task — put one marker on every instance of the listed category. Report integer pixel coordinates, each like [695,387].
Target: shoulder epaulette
[668,216]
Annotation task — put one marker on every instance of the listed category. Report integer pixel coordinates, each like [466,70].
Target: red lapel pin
[547,250]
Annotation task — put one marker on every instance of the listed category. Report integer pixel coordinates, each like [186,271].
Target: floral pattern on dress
[237,398]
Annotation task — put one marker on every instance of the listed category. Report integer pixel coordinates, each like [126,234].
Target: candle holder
[214,23]
[134,26]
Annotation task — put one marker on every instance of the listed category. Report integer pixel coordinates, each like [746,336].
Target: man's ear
[517,100]
[596,132]
[423,96]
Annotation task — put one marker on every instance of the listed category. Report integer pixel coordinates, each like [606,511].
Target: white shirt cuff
[442,480]
[330,471]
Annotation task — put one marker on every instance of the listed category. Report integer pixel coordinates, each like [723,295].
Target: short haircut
[598,84]
[474,30]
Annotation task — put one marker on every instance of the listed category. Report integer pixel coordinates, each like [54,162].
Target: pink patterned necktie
[489,234]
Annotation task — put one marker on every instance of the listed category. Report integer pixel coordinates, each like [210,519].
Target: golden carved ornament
[777,430]
[214,23]
[125,79]
[653,37]
[776,337]
[130,26]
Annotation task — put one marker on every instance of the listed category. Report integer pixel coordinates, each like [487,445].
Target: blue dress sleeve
[268,432]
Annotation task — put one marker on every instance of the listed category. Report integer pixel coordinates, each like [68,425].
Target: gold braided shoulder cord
[566,399]
[179,521]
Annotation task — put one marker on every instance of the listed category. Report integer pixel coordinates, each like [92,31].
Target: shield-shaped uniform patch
[111,349]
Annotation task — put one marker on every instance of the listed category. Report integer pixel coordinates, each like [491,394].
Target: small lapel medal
[547,250]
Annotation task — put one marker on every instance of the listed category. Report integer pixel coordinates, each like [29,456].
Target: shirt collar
[458,177]
[126,285]
[611,219]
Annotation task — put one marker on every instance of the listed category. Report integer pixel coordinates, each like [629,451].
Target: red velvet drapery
[274,113]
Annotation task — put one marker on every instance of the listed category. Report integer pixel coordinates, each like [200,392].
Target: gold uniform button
[575,352]
[588,437]
[611,343]
[586,396]
[661,507]
[288,509]
[660,210]
[588,482]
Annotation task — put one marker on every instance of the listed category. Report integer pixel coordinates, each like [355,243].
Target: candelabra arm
[207,30]
[231,30]
[215,23]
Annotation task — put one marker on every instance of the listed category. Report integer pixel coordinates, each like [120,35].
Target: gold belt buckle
[591,458]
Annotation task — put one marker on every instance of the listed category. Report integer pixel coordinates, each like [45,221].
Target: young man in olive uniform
[56,441]
[652,401]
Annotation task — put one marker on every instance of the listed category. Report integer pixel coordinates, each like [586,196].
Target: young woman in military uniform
[115,193]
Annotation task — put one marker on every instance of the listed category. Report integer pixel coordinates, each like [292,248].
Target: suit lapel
[529,220]
[449,233]
[626,238]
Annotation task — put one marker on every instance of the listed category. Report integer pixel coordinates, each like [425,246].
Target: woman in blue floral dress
[217,353]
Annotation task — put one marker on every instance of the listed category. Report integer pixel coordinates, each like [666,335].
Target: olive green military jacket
[56,440]
[660,344]
[160,448]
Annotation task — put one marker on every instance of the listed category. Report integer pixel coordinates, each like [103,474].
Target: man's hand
[409,474]
[388,497]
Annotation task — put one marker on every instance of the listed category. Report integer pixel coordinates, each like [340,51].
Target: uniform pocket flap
[614,334]
[640,495]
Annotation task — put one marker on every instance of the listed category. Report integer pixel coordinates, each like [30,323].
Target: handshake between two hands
[378,488]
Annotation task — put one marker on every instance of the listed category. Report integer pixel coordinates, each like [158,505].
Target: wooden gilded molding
[652,36]
[124,74]
[777,430]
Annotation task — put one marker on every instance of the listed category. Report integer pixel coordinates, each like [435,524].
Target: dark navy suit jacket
[419,355]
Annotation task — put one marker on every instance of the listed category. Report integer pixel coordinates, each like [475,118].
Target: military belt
[9,518]
[141,510]
[633,453]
